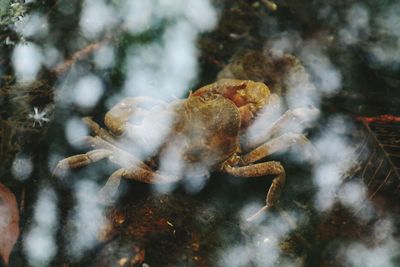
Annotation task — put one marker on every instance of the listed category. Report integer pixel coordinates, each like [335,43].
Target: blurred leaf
[9,222]
[381,168]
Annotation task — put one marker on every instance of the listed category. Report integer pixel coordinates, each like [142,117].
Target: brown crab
[204,132]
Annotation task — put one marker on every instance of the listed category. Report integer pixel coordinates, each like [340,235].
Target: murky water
[65,60]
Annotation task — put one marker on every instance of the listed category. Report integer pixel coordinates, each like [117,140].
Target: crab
[193,137]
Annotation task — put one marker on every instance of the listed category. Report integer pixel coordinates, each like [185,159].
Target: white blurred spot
[263,243]
[74,130]
[166,69]
[33,25]
[180,55]
[171,162]
[88,91]
[22,167]
[386,54]
[353,194]
[327,178]
[385,50]
[383,230]
[50,56]
[104,57]
[200,13]
[358,16]
[193,184]
[39,244]
[87,219]
[389,20]
[327,77]
[357,24]
[336,159]
[45,211]
[171,166]
[284,44]
[383,252]
[328,175]
[27,60]
[360,255]
[259,131]
[164,188]
[96,17]
[147,137]
[163,71]
[301,92]
[137,15]
[334,148]
[236,256]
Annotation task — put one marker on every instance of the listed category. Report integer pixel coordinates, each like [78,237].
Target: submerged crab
[204,133]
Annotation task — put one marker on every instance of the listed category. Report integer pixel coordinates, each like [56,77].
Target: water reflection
[162,49]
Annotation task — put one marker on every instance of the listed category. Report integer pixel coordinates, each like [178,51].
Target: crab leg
[138,174]
[290,121]
[281,144]
[135,133]
[120,157]
[98,131]
[261,169]
[141,123]
[117,118]
[81,160]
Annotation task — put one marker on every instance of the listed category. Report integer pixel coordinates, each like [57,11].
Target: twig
[79,55]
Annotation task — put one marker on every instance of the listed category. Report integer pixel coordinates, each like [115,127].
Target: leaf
[381,151]
[9,222]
